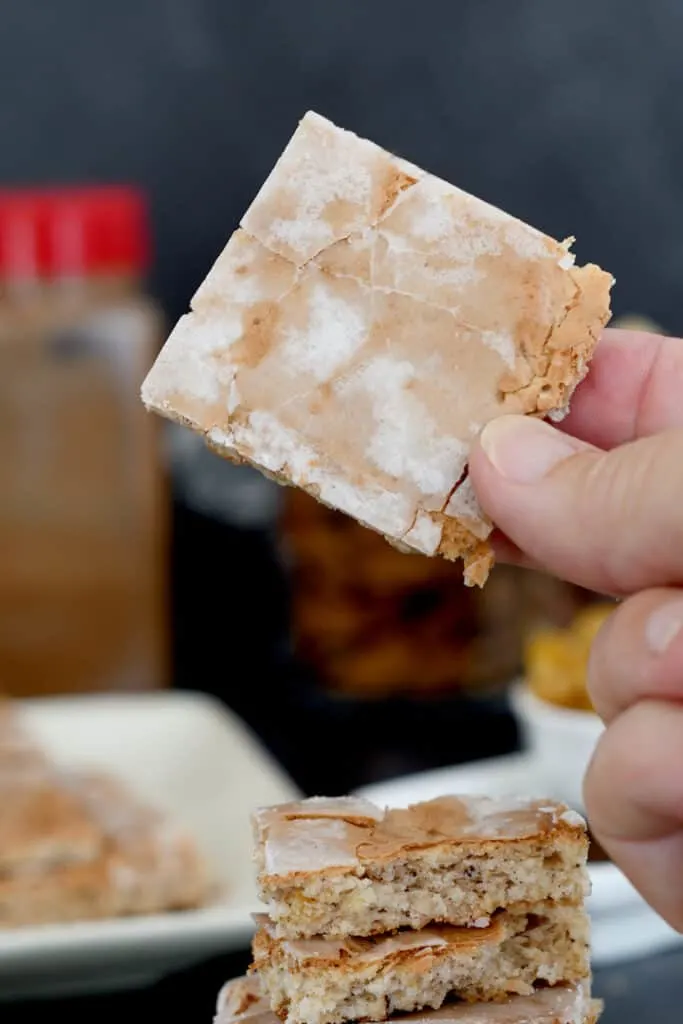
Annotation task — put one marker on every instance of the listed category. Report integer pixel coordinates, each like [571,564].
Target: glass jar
[372,622]
[82,502]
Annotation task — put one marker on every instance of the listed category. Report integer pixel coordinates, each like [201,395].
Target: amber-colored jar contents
[371,621]
[82,538]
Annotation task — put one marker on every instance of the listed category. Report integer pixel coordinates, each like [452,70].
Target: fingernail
[664,625]
[524,449]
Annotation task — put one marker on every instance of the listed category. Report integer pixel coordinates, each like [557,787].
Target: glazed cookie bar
[363,324]
[82,847]
[240,1002]
[331,981]
[344,867]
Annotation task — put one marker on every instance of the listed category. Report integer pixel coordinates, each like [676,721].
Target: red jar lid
[73,232]
[24,248]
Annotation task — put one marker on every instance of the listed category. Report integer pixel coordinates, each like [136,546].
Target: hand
[600,503]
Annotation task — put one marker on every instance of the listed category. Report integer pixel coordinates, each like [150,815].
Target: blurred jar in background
[82,537]
[370,621]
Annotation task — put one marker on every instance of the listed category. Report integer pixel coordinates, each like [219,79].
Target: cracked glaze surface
[318,834]
[360,328]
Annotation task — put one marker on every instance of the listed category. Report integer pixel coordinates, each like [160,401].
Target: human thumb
[609,521]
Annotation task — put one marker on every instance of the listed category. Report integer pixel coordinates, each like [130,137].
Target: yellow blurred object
[556,660]
[636,322]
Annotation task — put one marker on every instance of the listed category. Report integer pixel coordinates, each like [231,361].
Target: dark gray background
[566,114]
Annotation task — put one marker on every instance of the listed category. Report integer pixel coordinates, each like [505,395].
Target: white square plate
[189,756]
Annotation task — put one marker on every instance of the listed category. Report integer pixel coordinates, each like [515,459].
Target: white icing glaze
[304,841]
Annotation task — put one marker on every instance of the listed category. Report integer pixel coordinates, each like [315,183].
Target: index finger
[633,390]
[633,793]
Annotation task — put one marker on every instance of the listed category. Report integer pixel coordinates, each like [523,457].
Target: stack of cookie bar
[459,909]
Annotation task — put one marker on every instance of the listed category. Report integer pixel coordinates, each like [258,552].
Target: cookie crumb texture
[332,981]
[360,328]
